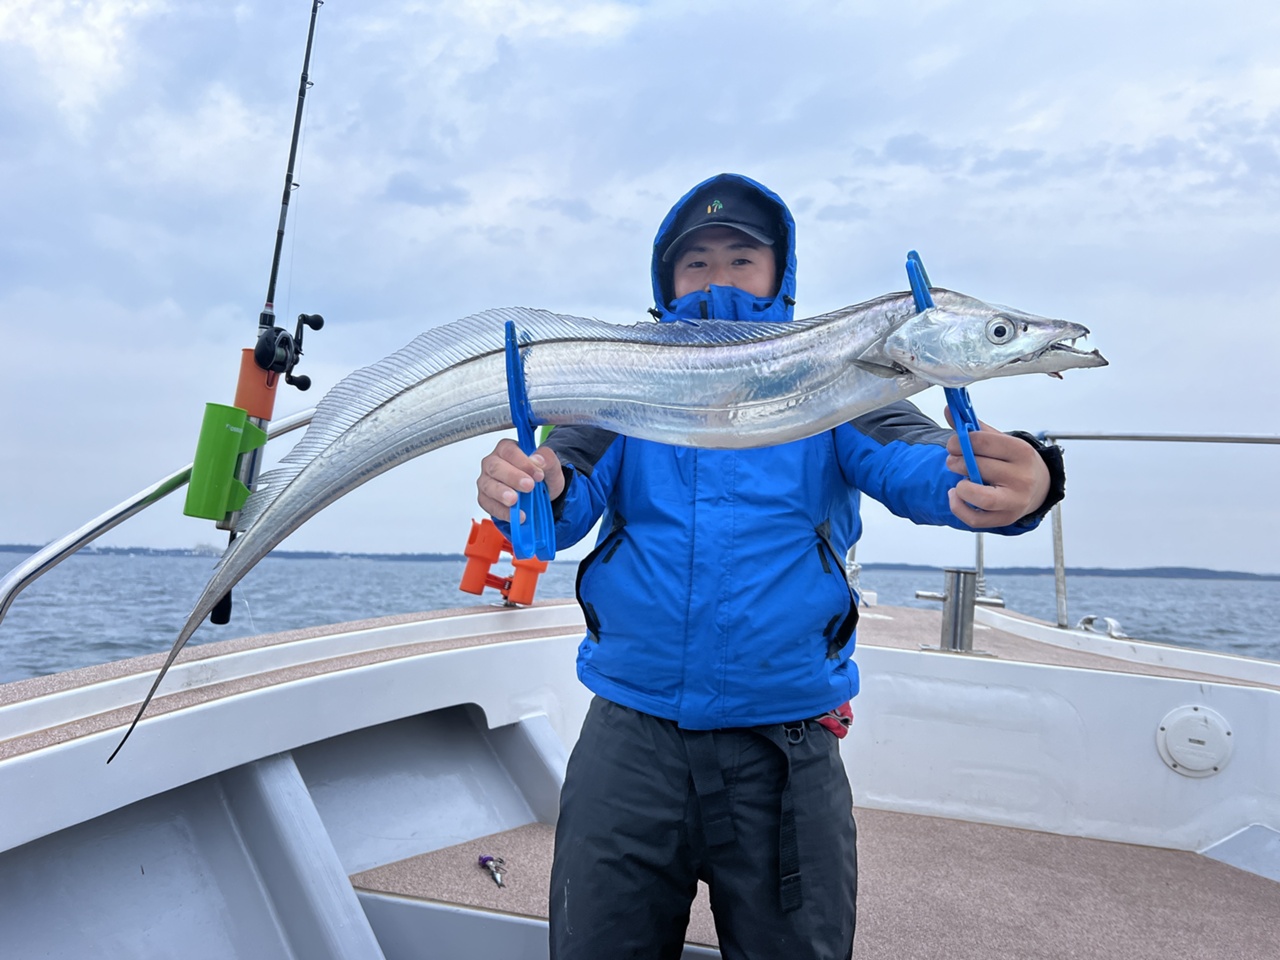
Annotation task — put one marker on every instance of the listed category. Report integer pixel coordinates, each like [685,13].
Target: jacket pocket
[839,628]
[603,553]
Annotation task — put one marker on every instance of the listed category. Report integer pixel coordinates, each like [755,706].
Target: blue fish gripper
[533,531]
[962,414]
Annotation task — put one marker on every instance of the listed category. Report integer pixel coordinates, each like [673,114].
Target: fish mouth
[1058,355]
[1069,347]
[1074,355]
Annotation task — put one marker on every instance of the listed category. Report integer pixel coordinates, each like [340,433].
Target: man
[720,628]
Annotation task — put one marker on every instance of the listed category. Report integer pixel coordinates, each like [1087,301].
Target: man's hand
[507,472]
[1015,480]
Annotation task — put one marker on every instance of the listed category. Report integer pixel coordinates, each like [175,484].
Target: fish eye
[1001,330]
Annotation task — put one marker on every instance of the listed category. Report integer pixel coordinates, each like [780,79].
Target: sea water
[96,608]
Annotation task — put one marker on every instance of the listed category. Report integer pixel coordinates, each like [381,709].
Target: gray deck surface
[907,628]
[947,889]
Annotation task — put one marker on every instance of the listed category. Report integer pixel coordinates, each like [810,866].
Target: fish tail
[181,642]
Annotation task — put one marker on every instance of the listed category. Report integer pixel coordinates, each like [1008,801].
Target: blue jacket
[716,594]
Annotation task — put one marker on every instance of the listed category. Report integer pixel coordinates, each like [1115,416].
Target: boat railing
[1053,436]
[45,559]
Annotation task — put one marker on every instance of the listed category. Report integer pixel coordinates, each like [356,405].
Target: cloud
[79,48]
[575,208]
[1113,164]
[1007,161]
[603,21]
[407,187]
[219,141]
[917,149]
[844,212]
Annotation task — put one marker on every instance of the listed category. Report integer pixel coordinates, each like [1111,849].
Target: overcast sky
[1113,163]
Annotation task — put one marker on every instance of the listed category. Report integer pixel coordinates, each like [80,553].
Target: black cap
[725,205]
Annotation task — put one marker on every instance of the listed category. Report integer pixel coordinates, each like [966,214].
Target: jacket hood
[740,305]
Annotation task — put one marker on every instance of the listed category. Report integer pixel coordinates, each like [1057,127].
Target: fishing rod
[273,348]
[229,451]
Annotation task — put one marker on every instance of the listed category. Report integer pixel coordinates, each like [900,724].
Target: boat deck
[911,628]
[904,628]
[929,886]
[933,888]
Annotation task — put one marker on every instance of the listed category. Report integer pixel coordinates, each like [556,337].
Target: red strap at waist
[839,720]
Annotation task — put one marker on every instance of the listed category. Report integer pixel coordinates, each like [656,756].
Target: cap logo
[715,206]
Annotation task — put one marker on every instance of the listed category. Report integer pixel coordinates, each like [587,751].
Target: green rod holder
[225,435]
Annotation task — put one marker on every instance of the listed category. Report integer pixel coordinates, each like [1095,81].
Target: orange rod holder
[256,388]
[484,546]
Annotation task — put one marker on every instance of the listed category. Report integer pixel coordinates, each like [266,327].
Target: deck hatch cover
[1194,741]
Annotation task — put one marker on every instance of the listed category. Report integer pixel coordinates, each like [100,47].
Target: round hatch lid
[1194,741]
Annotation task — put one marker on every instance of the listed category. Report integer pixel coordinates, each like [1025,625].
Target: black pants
[637,830]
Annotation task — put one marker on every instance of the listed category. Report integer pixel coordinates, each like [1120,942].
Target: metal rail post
[961,592]
[959,596]
[978,564]
[1059,567]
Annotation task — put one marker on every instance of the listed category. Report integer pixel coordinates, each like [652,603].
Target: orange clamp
[485,545]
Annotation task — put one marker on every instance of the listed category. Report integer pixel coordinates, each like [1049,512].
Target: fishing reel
[278,350]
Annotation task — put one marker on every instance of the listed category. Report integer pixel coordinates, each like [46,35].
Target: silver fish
[714,383]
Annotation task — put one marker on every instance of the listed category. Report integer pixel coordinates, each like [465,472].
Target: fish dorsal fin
[444,346]
[369,387]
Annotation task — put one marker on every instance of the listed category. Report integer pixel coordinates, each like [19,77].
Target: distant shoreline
[1164,573]
[213,553]
[1168,573]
